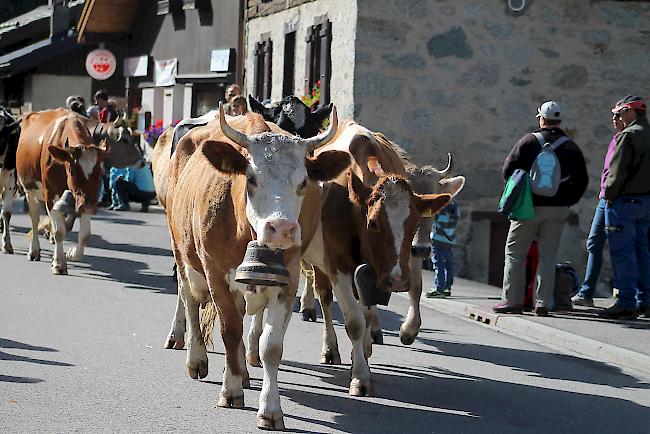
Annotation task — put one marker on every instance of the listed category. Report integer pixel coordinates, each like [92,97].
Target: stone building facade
[466,77]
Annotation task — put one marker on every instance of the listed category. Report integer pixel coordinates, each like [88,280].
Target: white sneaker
[578,300]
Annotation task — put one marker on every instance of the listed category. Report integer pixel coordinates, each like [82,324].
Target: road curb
[548,336]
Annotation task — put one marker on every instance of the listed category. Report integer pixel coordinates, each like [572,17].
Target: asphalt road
[83,353]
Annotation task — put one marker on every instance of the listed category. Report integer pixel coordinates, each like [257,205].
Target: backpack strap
[559,141]
[540,138]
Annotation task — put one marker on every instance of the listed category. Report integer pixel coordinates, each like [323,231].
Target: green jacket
[629,171]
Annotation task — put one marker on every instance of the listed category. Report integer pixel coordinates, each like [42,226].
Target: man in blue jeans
[597,234]
[627,213]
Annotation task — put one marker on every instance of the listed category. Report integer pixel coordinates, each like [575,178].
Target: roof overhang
[35,54]
[107,17]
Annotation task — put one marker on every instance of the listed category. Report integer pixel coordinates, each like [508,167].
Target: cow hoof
[59,270]
[34,256]
[72,255]
[273,422]
[253,360]
[198,371]
[330,358]
[360,388]
[407,339]
[309,315]
[377,337]
[8,250]
[173,343]
[230,401]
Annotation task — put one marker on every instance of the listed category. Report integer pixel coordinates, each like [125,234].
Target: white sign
[136,66]
[220,60]
[100,64]
[164,73]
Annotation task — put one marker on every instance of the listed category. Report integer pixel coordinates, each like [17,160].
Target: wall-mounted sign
[164,73]
[136,66]
[220,60]
[100,64]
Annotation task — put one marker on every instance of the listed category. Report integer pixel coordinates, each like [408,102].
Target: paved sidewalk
[623,343]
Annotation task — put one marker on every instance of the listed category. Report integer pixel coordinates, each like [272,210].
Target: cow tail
[208,317]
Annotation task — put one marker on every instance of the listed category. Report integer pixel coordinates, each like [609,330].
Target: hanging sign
[164,73]
[100,64]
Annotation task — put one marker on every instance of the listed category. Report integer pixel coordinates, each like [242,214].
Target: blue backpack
[545,174]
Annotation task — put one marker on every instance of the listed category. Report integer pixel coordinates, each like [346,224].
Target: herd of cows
[330,202]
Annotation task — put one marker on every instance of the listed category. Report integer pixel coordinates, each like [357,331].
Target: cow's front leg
[7,204]
[253,337]
[197,356]
[307,308]
[241,308]
[355,325]
[176,337]
[372,320]
[77,252]
[409,329]
[330,347]
[34,253]
[59,262]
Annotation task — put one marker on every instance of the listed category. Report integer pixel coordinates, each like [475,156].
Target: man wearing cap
[627,213]
[550,213]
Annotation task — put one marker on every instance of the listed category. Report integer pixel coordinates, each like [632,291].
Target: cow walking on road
[9,131]
[56,153]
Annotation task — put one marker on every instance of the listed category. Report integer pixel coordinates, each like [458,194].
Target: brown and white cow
[227,185]
[56,153]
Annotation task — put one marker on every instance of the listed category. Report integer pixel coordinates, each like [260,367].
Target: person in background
[232,91]
[239,105]
[105,112]
[443,239]
[135,186]
[627,213]
[77,104]
[597,234]
[550,213]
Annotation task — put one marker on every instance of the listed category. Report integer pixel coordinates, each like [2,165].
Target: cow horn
[239,138]
[445,172]
[321,139]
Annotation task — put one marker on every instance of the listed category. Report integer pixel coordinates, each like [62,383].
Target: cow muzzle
[280,234]
[421,251]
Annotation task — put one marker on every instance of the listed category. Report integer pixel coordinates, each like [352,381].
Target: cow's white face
[276,182]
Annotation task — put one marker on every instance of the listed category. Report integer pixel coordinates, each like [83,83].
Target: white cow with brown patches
[229,184]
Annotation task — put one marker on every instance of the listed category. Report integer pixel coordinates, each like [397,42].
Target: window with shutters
[318,58]
[289,64]
[262,68]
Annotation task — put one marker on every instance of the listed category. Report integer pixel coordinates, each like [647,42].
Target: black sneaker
[644,312]
[617,311]
[541,311]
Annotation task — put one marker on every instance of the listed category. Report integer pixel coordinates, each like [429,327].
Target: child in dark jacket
[443,238]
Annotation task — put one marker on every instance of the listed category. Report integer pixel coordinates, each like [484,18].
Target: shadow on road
[15,345]
[99,242]
[12,379]
[8,343]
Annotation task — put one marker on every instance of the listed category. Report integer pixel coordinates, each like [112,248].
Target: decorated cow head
[292,115]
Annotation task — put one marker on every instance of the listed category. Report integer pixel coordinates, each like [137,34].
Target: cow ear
[61,155]
[258,107]
[322,113]
[104,146]
[224,157]
[453,186]
[429,204]
[357,190]
[327,165]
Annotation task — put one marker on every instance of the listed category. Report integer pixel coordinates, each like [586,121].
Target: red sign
[100,64]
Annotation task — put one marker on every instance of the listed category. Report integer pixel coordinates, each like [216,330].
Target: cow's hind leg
[77,252]
[409,329]
[7,204]
[176,336]
[34,253]
[197,356]
[355,325]
[307,308]
[330,347]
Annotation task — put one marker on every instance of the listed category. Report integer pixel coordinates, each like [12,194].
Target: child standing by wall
[443,238]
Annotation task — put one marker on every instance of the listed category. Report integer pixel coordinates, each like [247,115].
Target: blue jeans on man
[627,221]
[595,246]
[443,266]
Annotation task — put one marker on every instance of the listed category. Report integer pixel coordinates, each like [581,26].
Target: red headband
[636,105]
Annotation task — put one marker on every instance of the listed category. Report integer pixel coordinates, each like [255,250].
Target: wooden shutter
[325,35]
[268,66]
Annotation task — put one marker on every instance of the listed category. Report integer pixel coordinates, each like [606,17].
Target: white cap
[549,110]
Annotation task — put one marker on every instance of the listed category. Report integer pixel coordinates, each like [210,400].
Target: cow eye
[251,180]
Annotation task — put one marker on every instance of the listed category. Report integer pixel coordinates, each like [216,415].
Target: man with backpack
[558,179]
[627,213]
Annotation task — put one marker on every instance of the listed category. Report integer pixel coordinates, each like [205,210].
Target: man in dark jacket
[627,213]
[550,213]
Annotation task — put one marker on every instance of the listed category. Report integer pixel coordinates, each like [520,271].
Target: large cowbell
[365,279]
[262,266]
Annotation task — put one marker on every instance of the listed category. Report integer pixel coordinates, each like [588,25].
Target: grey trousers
[546,227]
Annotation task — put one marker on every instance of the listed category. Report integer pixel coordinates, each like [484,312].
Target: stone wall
[342,14]
[467,76]
[260,8]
